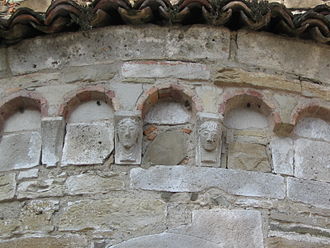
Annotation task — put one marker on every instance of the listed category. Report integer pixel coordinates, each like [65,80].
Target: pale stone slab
[310,192]
[282,155]
[227,228]
[248,156]
[27,120]
[195,179]
[165,69]
[167,240]
[92,184]
[33,173]
[128,94]
[313,128]
[9,217]
[210,96]
[7,186]
[88,143]
[244,118]
[40,188]
[138,214]
[299,4]
[276,242]
[20,151]
[170,113]
[72,241]
[312,160]
[169,148]
[52,132]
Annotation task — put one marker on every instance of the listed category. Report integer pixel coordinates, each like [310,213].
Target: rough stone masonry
[150,136]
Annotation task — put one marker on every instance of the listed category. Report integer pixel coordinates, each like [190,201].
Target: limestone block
[302,3]
[7,186]
[9,218]
[87,143]
[128,94]
[72,241]
[168,113]
[209,139]
[20,151]
[279,53]
[36,5]
[165,69]
[309,192]
[125,213]
[282,155]
[275,242]
[244,118]
[92,184]
[40,188]
[313,128]
[195,179]
[247,156]
[210,96]
[312,159]
[128,138]
[168,148]
[23,121]
[33,173]
[52,132]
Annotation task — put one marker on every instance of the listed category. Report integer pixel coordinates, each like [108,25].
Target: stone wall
[145,136]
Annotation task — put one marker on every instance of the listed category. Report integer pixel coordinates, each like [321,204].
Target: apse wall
[146,136]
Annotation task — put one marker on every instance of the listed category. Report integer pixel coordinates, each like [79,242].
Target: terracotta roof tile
[66,15]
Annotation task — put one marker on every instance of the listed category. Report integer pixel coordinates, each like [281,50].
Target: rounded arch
[75,98]
[20,101]
[169,92]
[314,109]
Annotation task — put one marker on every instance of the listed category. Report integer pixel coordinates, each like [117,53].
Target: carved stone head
[209,134]
[128,132]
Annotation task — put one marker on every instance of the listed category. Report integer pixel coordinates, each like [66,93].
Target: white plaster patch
[171,113]
[88,143]
[313,128]
[28,120]
[244,118]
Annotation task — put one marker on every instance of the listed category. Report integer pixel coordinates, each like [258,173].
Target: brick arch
[252,99]
[22,100]
[75,98]
[312,109]
[170,92]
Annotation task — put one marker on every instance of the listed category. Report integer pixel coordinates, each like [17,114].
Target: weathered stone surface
[244,118]
[91,111]
[9,218]
[278,53]
[128,94]
[23,121]
[124,42]
[40,188]
[282,155]
[3,64]
[170,113]
[18,151]
[310,192]
[125,214]
[275,242]
[89,143]
[52,132]
[93,184]
[7,186]
[313,128]
[169,148]
[195,179]
[165,69]
[72,241]
[36,5]
[210,96]
[166,240]
[33,173]
[312,159]
[286,102]
[303,4]
[248,156]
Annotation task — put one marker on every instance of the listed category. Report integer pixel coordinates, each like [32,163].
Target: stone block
[9,218]
[168,148]
[23,121]
[309,192]
[33,173]
[247,156]
[313,128]
[165,69]
[7,186]
[299,4]
[210,96]
[276,242]
[20,151]
[168,113]
[40,188]
[93,184]
[52,132]
[127,214]
[196,179]
[89,143]
[245,118]
[119,43]
[72,241]
[282,155]
[36,5]
[312,160]
[284,54]
[128,94]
